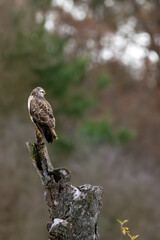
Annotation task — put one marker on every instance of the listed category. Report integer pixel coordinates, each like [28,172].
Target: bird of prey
[41,114]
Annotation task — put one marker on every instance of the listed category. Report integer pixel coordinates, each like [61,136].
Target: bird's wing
[41,112]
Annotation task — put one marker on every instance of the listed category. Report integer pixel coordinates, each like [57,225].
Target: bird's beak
[44,93]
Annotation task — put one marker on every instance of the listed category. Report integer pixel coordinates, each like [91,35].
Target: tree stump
[74,211]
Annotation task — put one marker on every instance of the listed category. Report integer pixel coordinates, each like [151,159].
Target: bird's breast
[29,106]
[29,102]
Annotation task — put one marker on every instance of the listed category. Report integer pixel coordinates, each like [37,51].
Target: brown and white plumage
[41,114]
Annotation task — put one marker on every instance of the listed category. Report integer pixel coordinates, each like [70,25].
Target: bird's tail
[54,134]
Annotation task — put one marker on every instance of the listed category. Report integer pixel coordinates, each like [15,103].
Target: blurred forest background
[99,64]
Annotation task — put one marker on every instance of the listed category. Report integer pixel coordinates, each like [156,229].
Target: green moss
[34,155]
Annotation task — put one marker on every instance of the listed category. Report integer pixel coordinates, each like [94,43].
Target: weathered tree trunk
[74,211]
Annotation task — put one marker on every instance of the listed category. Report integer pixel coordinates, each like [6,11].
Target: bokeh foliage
[103,130]
[41,54]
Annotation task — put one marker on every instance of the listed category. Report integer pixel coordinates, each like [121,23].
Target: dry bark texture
[74,211]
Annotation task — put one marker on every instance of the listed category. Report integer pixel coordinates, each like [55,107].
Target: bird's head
[39,92]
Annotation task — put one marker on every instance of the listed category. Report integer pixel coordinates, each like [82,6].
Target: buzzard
[41,114]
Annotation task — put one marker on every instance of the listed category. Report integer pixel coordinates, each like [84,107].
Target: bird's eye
[42,92]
